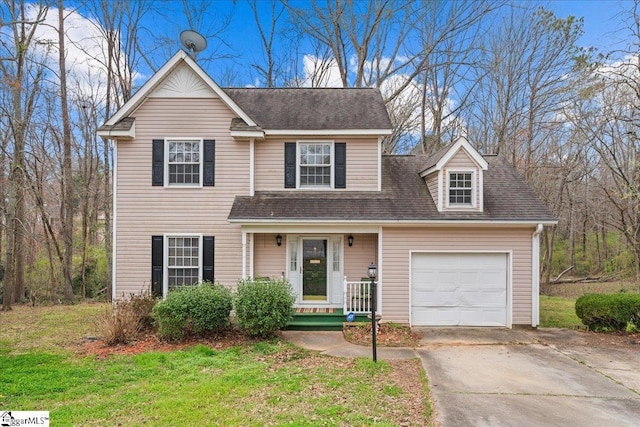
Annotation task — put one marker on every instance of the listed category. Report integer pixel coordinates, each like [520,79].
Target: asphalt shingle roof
[313,109]
[404,197]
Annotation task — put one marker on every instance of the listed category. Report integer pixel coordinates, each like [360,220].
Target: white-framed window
[183,162]
[315,164]
[460,189]
[183,260]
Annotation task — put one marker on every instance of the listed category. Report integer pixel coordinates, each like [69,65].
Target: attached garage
[460,289]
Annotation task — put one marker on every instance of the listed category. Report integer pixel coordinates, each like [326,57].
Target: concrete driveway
[500,377]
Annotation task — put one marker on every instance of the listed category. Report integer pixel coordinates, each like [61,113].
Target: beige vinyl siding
[461,161]
[358,257]
[269,259]
[362,161]
[432,184]
[144,210]
[399,242]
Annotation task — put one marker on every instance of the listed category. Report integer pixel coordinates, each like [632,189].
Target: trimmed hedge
[609,312]
[193,310]
[263,306]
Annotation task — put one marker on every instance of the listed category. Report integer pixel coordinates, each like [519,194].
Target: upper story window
[461,188]
[315,165]
[315,162]
[184,163]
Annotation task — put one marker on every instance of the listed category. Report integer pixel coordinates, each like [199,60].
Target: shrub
[262,307]
[142,305]
[193,310]
[604,312]
[118,324]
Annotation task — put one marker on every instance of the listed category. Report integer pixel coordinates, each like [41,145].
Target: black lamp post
[372,276]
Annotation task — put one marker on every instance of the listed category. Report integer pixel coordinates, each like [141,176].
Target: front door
[314,270]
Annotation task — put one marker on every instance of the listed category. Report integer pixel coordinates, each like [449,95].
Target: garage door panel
[467,289]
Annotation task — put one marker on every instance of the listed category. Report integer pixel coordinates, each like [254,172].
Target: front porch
[323,320]
[356,300]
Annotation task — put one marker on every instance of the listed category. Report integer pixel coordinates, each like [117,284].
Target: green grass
[267,383]
[559,309]
[558,312]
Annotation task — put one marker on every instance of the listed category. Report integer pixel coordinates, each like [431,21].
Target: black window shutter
[289,165]
[208,243]
[158,162]
[157,268]
[209,166]
[340,179]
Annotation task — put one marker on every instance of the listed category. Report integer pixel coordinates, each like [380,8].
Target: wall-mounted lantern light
[350,240]
[279,240]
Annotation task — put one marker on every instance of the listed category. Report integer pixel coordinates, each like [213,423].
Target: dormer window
[460,189]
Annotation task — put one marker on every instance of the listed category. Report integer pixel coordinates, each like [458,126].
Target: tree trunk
[67,182]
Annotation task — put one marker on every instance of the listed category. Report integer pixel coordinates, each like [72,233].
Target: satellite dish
[193,42]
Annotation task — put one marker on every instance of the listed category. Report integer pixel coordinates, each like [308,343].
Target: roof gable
[439,159]
[164,81]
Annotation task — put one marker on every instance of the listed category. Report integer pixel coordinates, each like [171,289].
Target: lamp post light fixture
[279,240]
[350,240]
[372,276]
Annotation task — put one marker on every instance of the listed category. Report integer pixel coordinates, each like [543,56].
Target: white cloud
[86,50]
[320,72]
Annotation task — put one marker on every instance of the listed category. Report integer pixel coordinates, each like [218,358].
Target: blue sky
[600,23]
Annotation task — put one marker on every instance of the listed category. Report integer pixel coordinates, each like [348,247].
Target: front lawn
[43,367]
[558,312]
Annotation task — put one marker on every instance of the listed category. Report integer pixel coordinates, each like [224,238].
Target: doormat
[315,310]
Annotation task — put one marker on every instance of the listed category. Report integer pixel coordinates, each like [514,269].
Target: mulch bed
[388,335]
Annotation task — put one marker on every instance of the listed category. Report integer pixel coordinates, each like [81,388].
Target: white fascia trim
[462,143]
[428,172]
[161,74]
[398,223]
[311,228]
[535,276]
[251,134]
[114,222]
[328,132]
[121,134]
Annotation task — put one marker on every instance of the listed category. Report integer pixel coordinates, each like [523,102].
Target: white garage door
[466,289]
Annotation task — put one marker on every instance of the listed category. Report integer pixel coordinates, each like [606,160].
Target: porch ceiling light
[350,240]
[372,271]
[279,240]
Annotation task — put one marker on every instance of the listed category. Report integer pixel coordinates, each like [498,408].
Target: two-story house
[221,184]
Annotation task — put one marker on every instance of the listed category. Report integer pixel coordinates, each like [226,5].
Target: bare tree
[22,75]
[450,37]
[523,84]
[67,172]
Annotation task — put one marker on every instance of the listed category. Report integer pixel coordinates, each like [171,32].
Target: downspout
[535,276]
[244,254]
[114,222]
[252,148]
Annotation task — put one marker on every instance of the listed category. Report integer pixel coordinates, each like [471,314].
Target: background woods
[510,76]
